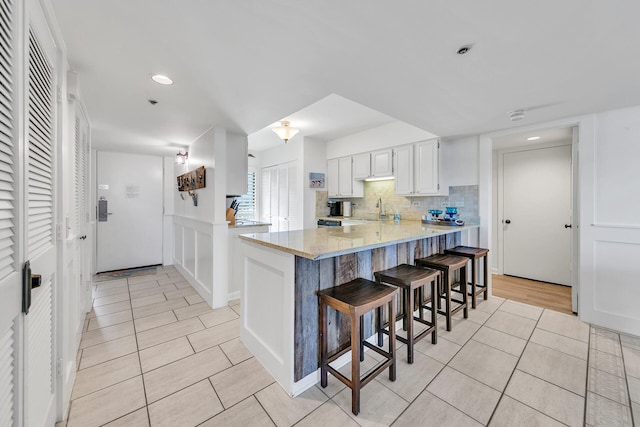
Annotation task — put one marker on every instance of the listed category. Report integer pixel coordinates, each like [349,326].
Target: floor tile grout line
[515,369]
[626,380]
[135,332]
[447,365]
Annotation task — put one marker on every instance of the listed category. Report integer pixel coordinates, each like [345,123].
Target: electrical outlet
[415,204]
[459,204]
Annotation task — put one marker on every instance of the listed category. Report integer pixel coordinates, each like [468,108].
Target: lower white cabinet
[417,169]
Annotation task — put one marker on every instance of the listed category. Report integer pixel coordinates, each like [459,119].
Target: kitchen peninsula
[281,273]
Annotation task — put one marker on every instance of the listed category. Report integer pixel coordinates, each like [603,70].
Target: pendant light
[284,131]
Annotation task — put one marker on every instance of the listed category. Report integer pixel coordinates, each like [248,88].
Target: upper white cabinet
[376,164]
[361,166]
[417,169]
[427,167]
[404,170]
[340,179]
[382,163]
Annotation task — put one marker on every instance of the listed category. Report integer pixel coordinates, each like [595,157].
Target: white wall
[610,220]
[315,160]
[200,233]
[291,151]
[237,164]
[389,135]
[461,161]
[609,214]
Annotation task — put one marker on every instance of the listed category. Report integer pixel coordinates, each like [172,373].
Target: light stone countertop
[319,243]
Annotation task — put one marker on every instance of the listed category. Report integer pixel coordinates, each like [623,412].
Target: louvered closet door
[10,259]
[40,221]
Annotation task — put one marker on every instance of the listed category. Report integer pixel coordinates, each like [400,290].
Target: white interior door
[40,208]
[537,207]
[131,235]
[10,228]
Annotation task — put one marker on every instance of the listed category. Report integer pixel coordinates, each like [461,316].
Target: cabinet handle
[507,221]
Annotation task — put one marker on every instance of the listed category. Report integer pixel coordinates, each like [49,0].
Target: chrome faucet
[381,212]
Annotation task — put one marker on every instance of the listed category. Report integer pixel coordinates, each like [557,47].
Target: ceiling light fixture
[533,138]
[516,115]
[160,79]
[181,158]
[284,131]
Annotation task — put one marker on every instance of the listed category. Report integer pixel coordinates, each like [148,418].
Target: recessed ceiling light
[533,138]
[163,80]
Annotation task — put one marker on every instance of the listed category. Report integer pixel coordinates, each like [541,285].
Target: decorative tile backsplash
[464,197]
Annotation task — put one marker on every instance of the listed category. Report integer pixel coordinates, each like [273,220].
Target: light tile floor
[153,353]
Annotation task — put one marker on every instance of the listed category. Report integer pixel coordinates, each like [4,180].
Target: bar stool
[410,279]
[474,254]
[356,298]
[448,264]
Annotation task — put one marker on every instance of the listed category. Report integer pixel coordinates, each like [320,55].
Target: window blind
[247,206]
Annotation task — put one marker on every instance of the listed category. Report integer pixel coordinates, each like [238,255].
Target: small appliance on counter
[346,209]
[335,208]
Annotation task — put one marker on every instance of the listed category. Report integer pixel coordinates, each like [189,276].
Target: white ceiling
[247,64]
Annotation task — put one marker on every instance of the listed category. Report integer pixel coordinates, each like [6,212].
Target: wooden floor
[554,297]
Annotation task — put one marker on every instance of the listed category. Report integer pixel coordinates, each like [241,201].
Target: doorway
[129,231]
[533,199]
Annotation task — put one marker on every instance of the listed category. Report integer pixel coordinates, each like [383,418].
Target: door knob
[567,226]
[507,221]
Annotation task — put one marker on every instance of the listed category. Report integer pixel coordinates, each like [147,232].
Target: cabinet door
[403,159]
[345,180]
[332,177]
[361,166]
[382,163]
[427,167]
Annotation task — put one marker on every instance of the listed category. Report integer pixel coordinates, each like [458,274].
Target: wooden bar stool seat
[474,254]
[410,279]
[448,264]
[354,299]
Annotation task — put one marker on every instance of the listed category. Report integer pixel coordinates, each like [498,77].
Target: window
[247,202]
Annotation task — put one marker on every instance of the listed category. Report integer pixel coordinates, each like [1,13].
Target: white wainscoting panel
[617,291]
[267,320]
[189,250]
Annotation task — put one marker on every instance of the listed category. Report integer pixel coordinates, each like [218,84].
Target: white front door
[130,235]
[537,214]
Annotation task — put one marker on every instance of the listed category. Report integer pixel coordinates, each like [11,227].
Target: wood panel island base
[282,272]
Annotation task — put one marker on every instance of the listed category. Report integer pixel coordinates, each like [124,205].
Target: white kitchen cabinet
[427,167]
[382,163]
[404,170]
[417,169]
[340,179]
[361,166]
